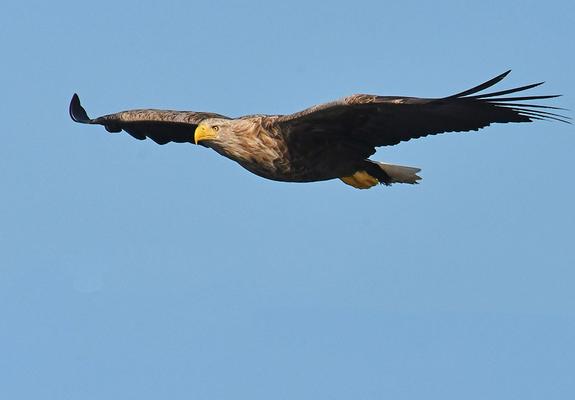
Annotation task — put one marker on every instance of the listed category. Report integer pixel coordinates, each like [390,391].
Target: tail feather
[400,173]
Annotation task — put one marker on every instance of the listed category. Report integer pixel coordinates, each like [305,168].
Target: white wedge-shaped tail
[400,173]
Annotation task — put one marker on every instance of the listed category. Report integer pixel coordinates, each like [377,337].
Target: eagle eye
[216,128]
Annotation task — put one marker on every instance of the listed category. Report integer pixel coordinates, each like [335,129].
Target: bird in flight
[330,140]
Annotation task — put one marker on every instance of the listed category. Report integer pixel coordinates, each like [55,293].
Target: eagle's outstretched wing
[162,126]
[388,120]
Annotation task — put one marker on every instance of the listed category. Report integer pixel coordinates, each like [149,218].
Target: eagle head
[242,140]
[213,130]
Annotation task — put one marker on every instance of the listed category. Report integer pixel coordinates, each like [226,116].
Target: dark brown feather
[387,120]
[162,126]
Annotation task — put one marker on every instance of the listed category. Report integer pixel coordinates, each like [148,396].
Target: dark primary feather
[388,120]
[162,126]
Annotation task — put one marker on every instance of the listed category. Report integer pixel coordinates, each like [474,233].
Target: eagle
[333,140]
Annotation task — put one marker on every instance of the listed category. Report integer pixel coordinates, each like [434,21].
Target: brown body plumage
[332,140]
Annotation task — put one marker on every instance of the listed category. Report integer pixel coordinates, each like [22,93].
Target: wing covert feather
[162,126]
[389,120]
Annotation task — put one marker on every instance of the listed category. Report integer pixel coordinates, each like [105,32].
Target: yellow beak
[203,132]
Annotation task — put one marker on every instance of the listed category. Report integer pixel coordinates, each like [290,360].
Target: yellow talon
[360,180]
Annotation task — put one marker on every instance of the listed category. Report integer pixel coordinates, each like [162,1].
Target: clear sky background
[130,270]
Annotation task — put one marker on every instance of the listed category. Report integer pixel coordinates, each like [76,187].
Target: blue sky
[132,270]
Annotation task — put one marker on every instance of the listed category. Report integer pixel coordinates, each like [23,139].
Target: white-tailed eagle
[331,140]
